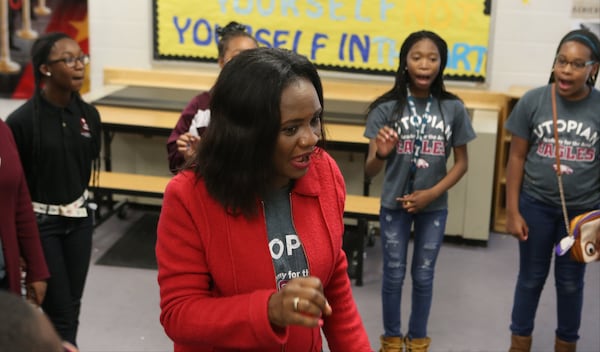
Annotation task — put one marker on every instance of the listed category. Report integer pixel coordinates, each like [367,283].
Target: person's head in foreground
[25,328]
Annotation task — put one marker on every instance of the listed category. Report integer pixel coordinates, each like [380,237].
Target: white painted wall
[523,39]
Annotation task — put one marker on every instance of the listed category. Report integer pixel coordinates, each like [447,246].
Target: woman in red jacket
[19,236]
[249,243]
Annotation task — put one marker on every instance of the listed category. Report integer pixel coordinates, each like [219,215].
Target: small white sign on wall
[586,9]
[586,14]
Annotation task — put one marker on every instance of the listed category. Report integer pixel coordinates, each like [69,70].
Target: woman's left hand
[300,302]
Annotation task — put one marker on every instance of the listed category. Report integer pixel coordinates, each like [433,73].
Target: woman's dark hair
[225,34]
[402,79]
[235,155]
[587,38]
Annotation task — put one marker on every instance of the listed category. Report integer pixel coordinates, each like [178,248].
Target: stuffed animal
[584,238]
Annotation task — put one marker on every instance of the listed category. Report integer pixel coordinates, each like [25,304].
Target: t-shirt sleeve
[377,118]
[463,129]
[519,120]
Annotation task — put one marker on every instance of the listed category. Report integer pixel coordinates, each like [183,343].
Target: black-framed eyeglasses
[72,61]
[561,62]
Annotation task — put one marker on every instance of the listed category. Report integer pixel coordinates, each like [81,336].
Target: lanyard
[421,123]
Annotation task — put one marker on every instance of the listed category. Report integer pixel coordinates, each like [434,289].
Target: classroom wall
[523,39]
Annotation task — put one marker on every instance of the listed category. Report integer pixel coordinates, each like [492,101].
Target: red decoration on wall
[67,16]
[15,4]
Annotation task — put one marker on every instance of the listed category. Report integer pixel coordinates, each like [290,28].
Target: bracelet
[378,156]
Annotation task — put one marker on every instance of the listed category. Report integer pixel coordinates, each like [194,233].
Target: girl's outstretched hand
[386,140]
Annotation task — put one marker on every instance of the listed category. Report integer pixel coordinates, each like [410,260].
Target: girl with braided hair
[412,129]
[58,138]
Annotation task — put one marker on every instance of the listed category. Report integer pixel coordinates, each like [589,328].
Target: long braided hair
[40,52]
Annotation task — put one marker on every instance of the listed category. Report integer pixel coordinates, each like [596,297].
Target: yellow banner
[345,35]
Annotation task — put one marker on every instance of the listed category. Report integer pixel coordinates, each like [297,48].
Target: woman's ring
[296,300]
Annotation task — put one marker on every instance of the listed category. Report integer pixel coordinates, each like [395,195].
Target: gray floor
[472,301]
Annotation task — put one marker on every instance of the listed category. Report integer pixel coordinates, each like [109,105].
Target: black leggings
[67,244]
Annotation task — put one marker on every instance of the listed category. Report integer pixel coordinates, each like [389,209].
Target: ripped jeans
[428,237]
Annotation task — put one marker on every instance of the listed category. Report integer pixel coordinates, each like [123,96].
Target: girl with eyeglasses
[58,138]
[534,212]
[412,130]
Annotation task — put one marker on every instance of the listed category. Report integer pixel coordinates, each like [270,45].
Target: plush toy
[584,238]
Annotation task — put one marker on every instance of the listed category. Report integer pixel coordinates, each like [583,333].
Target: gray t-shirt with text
[578,133]
[287,252]
[446,128]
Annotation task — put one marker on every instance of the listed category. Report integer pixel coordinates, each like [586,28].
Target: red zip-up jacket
[216,273]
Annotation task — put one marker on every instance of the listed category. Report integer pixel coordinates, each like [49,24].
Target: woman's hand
[300,302]
[36,291]
[186,145]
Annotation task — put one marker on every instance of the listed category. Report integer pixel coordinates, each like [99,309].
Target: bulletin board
[362,36]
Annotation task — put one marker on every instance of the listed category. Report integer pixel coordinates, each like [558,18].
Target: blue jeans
[67,244]
[546,229]
[428,237]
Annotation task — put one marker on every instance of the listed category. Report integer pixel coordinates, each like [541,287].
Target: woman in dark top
[58,137]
